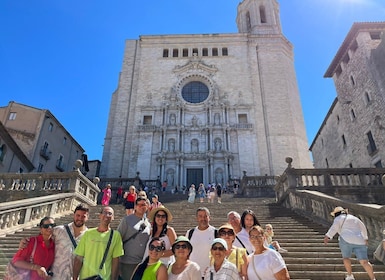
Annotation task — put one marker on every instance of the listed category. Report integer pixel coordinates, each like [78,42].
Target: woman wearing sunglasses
[264,263]
[235,255]
[159,218]
[221,268]
[39,255]
[183,268]
[152,268]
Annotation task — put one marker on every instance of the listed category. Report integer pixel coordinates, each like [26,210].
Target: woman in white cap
[353,238]
[235,255]
[159,218]
[221,269]
[183,268]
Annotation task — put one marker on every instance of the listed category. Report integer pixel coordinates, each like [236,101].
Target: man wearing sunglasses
[135,231]
[98,252]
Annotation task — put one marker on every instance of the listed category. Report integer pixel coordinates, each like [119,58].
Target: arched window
[248,22]
[262,14]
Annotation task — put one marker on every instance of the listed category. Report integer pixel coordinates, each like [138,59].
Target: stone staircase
[307,257]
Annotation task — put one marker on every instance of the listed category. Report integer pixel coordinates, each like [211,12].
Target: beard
[78,224]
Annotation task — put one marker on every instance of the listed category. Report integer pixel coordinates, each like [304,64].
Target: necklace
[152,263]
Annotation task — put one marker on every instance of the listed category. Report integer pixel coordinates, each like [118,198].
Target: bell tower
[259,17]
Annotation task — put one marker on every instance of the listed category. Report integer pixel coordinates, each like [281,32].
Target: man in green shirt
[91,249]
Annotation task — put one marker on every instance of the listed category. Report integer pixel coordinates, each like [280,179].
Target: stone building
[353,132]
[12,158]
[41,137]
[206,107]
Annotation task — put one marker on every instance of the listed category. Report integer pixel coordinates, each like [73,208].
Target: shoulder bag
[70,235]
[255,271]
[98,277]
[15,273]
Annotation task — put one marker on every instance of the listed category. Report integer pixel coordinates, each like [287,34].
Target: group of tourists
[145,246]
[210,192]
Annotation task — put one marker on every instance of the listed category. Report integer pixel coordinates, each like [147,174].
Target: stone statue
[218,145]
[219,177]
[172,119]
[194,146]
[217,119]
[170,178]
[171,145]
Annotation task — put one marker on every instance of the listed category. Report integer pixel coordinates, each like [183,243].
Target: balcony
[60,165]
[45,153]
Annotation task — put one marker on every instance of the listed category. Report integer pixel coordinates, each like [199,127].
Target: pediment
[195,66]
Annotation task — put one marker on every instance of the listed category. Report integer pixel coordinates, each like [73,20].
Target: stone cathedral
[207,107]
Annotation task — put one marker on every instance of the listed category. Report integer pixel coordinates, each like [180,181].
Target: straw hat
[226,226]
[151,215]
[337,210]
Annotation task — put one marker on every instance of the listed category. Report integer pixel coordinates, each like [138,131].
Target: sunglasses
[226,232]
[216,248]
[161,216]
[156,248]
[181,246]
[256,236]
[48,225]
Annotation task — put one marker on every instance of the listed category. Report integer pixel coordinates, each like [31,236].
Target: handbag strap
[141,228]
[107,248]
[243,245]
[343,222]
[70,235]
[33,251]
[255,271]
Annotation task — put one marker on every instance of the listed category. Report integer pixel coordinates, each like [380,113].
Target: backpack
[191,231]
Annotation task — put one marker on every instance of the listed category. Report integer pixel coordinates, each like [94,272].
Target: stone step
[307,257]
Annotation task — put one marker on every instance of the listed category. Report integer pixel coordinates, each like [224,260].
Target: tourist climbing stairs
[307,257]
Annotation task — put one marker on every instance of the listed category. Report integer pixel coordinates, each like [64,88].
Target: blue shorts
[361,251]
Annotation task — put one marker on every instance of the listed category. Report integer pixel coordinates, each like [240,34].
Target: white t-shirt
[191,272]
[201,242]
[266,264]
[243,235]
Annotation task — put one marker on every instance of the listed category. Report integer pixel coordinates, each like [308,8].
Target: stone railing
[28,197]
[258,186]
[314,193]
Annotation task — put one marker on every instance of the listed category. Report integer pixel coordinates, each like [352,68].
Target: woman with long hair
[159,218]
[152,268]
[39,254]
[183,268]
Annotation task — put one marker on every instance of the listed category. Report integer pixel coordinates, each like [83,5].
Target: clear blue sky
[66,55]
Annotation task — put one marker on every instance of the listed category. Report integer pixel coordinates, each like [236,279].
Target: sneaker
[281,250]
[349,277]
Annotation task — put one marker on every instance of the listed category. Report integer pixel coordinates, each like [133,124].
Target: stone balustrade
[314,193]
[28,197]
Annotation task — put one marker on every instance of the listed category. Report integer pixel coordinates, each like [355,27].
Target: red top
[131,197]
[120,191]
[43,256]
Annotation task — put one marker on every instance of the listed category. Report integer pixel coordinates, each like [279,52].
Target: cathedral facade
[207,107]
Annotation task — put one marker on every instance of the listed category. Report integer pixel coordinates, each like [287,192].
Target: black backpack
[191,231]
